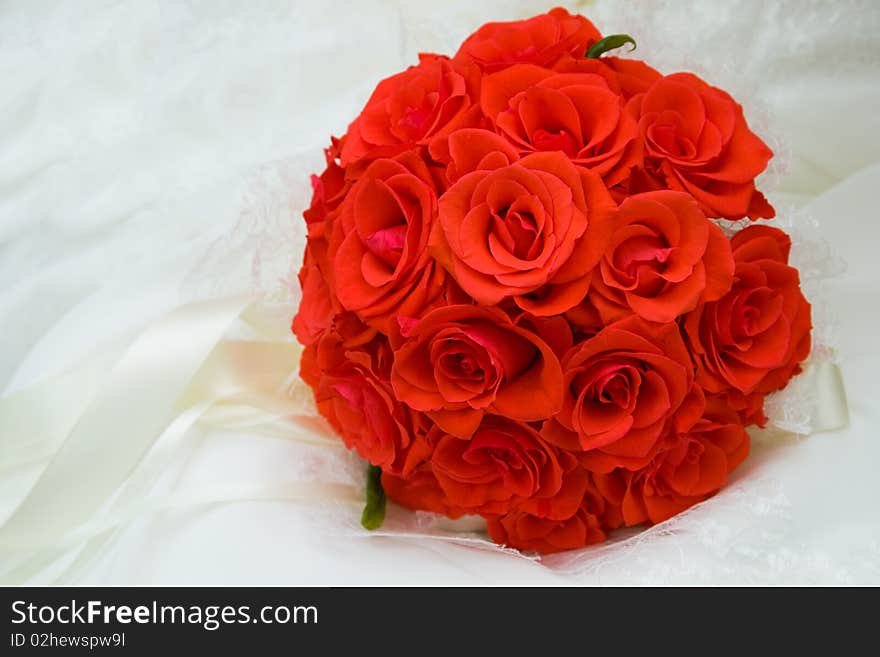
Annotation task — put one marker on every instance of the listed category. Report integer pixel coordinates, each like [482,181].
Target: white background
[156,152]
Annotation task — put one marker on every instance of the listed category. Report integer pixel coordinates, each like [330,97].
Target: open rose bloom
[518,299]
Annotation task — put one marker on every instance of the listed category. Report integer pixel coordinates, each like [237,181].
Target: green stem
[374,509]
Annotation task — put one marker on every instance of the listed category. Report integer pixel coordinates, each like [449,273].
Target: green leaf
[374,509]
[610,42]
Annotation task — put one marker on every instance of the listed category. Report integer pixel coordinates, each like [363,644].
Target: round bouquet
[527,294]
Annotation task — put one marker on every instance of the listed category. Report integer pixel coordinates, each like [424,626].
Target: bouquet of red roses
[518,301]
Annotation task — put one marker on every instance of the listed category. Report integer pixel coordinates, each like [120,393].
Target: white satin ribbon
[133,406]
[97,427]
[827,394]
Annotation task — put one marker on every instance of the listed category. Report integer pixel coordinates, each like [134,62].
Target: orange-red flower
[754,338]
[622,388]
[531,231]
[664,257]
[380,263]
[690,467]
[548,534]
[410,108]
[540,40]
[503,464]
[462,361]
[353,394]
[420,492]
[696,140]
[577,113]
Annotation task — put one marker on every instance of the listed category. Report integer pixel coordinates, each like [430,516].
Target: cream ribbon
[827,394]
[104,444]
[96,428]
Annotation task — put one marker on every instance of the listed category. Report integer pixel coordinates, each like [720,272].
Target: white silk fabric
[152,428]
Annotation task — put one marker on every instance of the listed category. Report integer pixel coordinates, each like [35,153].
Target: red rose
[750,408]
[380,264]
[565,502]
[471,149]
[326,349]
[531,231]
[505,462]
[664,257]
[539,40]
[696,140]
[318,305]
[577,113]
[625,77]
[352,393]
[621,389]
[689,469]
[462,361]
[419,491]
[328,190]
[410,108]
[525,531]
[754,338]
[633,76]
